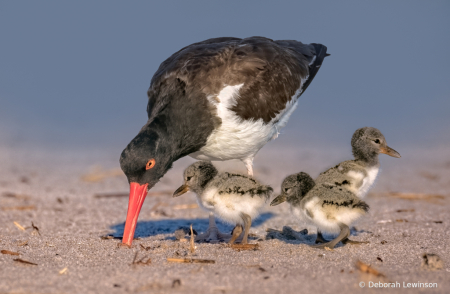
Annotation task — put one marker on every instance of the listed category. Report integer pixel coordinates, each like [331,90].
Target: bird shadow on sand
[150,228]
[290,236]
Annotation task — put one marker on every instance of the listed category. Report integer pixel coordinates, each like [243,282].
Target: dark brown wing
[271,71]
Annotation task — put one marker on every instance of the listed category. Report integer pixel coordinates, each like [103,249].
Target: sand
[56,191]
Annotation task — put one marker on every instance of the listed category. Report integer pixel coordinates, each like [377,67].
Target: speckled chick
[234,198]
[330,208]
[359,175]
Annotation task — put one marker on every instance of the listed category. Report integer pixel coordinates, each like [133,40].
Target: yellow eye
[150,164]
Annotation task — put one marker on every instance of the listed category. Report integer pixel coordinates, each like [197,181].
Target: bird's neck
[184,129]
[367,159]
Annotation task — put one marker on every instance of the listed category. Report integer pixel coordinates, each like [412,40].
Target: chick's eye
[188,178]
[286,190]
[150,164]
[377,141]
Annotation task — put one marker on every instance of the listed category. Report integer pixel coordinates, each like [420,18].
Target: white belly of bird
[327,219]
[237,138]
[367,181]
[229,206]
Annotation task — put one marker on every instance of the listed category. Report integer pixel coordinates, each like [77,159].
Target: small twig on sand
[239,247]
[28,207]
[432,198]
[141,261]
[9,252]
[35,228]
[19,226]
[24,261]
[365,268]
[192,247]
[190,260]
[23,243]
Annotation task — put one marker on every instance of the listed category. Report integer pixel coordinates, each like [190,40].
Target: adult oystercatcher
[220,99]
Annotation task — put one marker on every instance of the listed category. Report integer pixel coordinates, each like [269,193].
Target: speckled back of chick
[331,208]
[234,198]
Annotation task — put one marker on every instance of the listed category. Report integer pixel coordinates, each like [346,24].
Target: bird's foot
[326,246]
[320,238]
[348,241]
[213,235]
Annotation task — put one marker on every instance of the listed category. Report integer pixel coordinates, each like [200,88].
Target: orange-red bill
[137,197]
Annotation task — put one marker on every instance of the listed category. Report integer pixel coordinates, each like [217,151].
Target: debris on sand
[190,260]
[191,243]
[365,268]
[145,248]
[287,234]
[241,247]
[432,262]
[15,195]
[19,226]
[176,283]
[24,261]
[63,271]
[35,229]
[432,198]
[9,252]
[24,243]
[141,261]
[405,210]
[181,232]
[26,207]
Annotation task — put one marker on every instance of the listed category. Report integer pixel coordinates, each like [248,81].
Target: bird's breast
[238,138]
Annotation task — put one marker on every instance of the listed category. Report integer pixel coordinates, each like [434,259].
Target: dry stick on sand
[365,268]
[35,228]
[19,226]
[24,261]
[141,261]
[432,198]
[15,195]
[192,247]
[9,252]
[190,260]
[23,243]
[28,207]
[239,247]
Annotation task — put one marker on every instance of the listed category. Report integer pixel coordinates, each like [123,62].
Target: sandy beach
[65,211]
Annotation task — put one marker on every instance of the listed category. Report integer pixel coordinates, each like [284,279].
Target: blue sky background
[75,74]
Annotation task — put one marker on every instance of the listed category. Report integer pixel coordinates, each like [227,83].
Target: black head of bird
[294,188]
[196,176]
[144,161]
[368,142]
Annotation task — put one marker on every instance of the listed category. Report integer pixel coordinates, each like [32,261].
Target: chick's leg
[320,238]
[247,224]
[212,234]
[345,232]
[237,231]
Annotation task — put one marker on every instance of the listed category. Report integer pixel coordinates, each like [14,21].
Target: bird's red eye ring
[150,164]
